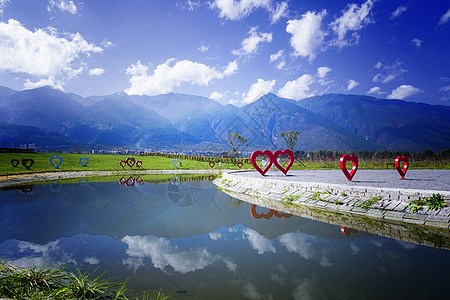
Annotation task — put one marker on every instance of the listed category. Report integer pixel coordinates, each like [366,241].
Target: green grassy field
[97,162]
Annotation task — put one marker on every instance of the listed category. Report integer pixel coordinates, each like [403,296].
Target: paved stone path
[377,194]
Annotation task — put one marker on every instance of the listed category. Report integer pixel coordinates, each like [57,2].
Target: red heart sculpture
[14,162]
[27,162]
[257,153]
[348,231]
[122,163]
[139,180]
[212,164]
[354,160]
[122,180]
[278,214]
[405,166]
[239,164]
[131,161]
[27,188]
[139,164]
[141,153]
[130,181]
[255,215]
[291,160]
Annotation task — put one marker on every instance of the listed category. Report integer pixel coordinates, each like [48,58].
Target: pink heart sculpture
[257,153]
[291,160]
[27,162]
[343,161]
[401,171]
[131,161]
[122,163]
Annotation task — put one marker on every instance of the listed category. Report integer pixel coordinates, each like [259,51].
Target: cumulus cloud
[323,71]
[62,5]
[259,242]
[388,72]
[171,74]
[250,45]
[163,254]
[281,11]
[236,10]
[307,35]
[445,17]
[417,42]
[375,90]
[96,72]
[404,91]
[258,89]
[353,19]
[351,84]
[278,58]
[44,53]
[50,81]
[401,9]
[297,89]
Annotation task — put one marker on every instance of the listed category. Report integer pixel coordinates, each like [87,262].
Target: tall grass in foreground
[54,283]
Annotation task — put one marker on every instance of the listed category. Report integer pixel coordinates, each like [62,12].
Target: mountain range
[50,117]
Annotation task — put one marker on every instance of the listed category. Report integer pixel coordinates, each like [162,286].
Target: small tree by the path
[236,140]
[291,138]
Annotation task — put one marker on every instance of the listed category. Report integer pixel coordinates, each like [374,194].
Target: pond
[190,238]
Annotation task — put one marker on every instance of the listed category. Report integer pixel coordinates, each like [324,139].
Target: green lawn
[97,162]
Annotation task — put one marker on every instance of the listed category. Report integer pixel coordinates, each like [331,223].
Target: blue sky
[232,51]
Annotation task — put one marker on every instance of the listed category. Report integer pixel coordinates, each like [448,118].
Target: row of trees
[291,138]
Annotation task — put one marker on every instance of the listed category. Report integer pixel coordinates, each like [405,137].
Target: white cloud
[445,17]
[389,73]
[353,19]
[351,84]
[259,242]
[96,72]
[307,35]
[171,74]
[445,88]
[216,96]
[215,236]
[403,91]
[257,90]
[375,90]
[203,48]
[280,11]
[163,254]
[92,260]
[42,52]
[401,9]
[62,5]
[278,57]
[189,5]
[50,81]
[250,45]
[3,4]
[323,71]
[236,10]
[106,44]
[417,42]
[297,89]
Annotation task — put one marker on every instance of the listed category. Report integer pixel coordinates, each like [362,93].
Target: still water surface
[190,238]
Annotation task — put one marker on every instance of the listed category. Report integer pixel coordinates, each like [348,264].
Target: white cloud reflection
[163,254]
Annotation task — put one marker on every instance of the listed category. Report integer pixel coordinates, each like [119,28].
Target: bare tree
[236,141]
[291,138]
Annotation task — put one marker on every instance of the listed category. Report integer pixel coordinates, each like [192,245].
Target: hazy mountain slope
[265,119]
[42,108]
[15,135]
[392,124]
